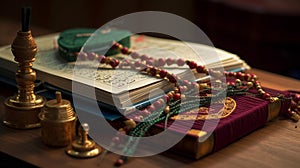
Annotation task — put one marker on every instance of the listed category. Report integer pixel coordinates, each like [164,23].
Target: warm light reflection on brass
[21,110]
[58,122]
[83,147]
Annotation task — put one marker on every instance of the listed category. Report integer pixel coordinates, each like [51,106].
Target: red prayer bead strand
[169,61]
[147,64]
[162,62]
[152,61]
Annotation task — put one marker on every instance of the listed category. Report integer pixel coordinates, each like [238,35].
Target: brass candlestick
[21,110]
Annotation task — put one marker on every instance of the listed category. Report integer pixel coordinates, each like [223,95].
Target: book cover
[250,113]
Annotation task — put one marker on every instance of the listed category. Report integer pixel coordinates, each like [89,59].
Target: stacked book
[119,90]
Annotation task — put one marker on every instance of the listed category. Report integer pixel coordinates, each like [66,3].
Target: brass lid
[57,110]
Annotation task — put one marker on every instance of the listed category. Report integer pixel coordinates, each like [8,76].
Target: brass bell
[83,147]
[58,122]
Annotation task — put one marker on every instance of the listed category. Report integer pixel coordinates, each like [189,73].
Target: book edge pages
[47,42]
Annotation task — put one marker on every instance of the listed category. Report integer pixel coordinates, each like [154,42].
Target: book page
[208,56]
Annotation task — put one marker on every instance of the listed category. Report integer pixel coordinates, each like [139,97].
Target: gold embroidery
[204,113]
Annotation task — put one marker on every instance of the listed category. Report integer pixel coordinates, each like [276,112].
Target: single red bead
[211,72]
[186,83]
[102,59]
[116,139]
[138,118]
[124,50]
[144,57]
[150,62]
[180,62]
[166,98]
[116,45]
[239,75]
[162,73]
[253,76]
[145,112]
[169,61]
[157,104]
[182,89]
[247,77]
[171,78]
[231,74]
[125,62]
[114,63]
[176,96]
[194,85]
[144,67]
[296,98]
[83,56]
[117,62]
[266,96]
[153,71]
[151,108]
[119,162]
[137,63]
[200,68]
[92,56]
[257,83]
[192,65]
[134,55]
[161,62]
[232,83]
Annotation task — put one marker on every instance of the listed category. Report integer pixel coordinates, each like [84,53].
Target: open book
[119,88]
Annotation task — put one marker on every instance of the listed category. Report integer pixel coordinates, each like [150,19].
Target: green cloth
[99,41]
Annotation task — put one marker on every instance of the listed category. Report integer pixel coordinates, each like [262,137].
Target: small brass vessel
[58,122]
[83,147]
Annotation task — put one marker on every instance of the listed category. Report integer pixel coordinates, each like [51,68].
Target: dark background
[265,33]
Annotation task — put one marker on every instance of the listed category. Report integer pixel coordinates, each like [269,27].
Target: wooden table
[277,144]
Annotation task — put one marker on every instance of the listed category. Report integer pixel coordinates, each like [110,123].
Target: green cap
[100,41]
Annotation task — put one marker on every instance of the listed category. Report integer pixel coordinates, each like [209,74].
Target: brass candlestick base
[21,111]
[22,115]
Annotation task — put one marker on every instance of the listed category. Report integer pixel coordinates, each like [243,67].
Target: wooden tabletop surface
[277,144]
